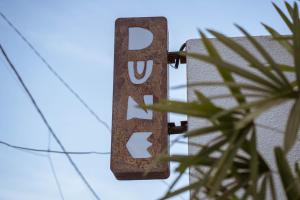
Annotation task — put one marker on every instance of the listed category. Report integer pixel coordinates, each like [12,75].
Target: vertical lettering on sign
[133,111]
[138,144]
[139,38]
[144,69]
[140,77]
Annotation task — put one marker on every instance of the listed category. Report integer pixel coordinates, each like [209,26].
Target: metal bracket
[174,56]
[177,57]
[173,129]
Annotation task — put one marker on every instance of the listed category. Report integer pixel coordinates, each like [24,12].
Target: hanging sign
[140,77]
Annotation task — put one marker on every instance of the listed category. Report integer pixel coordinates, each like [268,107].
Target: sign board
[140,77]
[267,139]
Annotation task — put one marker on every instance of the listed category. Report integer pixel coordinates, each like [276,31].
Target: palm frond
[230,163]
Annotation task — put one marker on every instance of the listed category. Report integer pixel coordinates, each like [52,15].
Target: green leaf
[245,86]
[267,57]
[254,104]
[289,8]
[206,130]
[235,69]
[183,189]
[276,36]
[253,164]
[194,186]
[272,187]
[192,109]
[202,98]
[290,183]
[294,83]
[232,155]
[296,42]
[297,169]
[284,17]
[194,194]
[231,191]
[263,166]
[258,110]
[225,96]
[244,53]
[175,182]
[206,101]
[292,126]
[263,188]
[202,157]
[225,74]
[286,68]
[284,37]
[225,162]
[246,194]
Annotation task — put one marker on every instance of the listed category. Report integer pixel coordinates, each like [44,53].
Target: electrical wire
[79,98]
[52,167]
[32,153]
[53,151]
[55,73]
[168,185]
[29,150]
[33,150]
[39,111]
[58,185]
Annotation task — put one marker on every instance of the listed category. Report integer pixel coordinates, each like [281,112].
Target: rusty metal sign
[140,77]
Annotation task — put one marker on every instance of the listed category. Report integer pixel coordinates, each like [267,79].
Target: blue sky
[77,39]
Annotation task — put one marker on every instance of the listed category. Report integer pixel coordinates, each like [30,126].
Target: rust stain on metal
[140,77]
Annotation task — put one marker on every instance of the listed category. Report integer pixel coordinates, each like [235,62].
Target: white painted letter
[134,112]
[139,38]
[142,67]
[138,144]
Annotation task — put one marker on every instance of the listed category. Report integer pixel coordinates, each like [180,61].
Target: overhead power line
[168,185]
[61,194]
[55,73]
[52,167]
[39,111]
[53,151]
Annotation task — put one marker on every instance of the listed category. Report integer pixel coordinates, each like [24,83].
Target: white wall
[276,118]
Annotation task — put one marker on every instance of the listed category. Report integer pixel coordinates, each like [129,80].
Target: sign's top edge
[120,19]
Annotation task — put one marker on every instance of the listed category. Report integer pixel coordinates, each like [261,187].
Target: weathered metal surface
[140,77]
